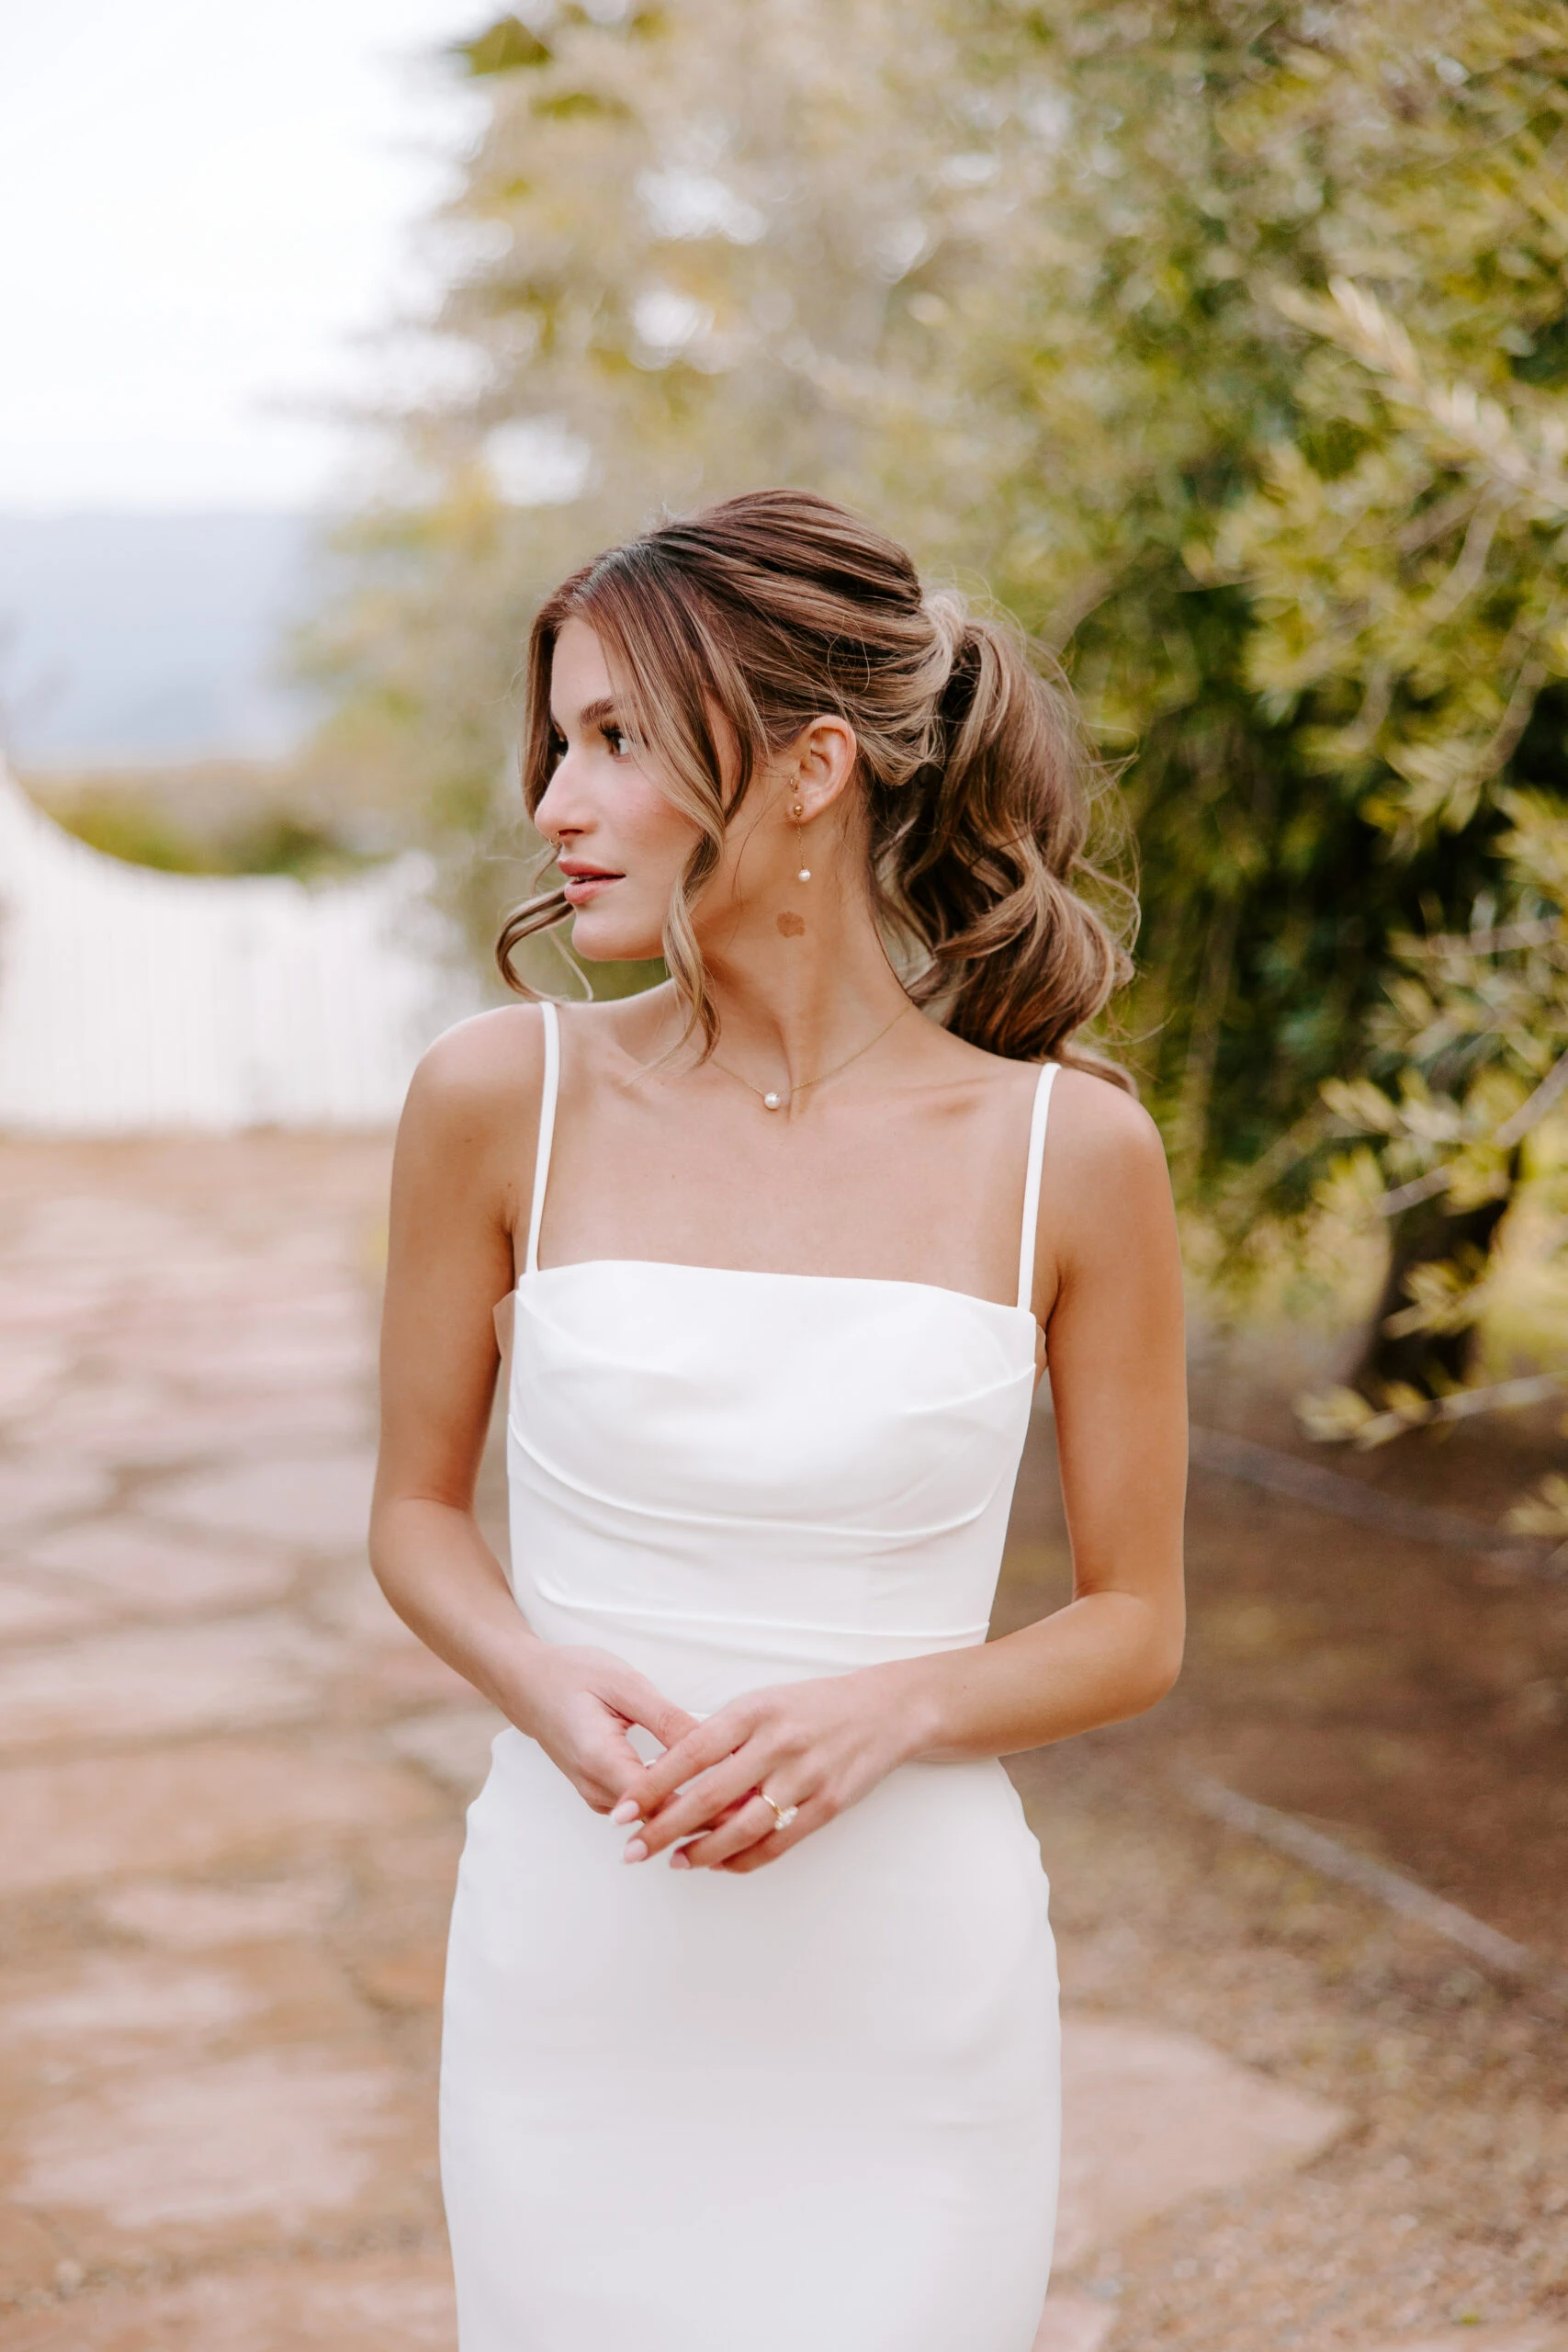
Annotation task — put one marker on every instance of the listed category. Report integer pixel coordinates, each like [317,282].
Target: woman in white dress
[750,2033]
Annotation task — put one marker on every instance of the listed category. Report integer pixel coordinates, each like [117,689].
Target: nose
[557,813]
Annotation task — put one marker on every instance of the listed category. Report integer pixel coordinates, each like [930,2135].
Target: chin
[605,941]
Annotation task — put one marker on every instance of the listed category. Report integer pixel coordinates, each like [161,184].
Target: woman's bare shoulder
[482,1075]
[1100,1136]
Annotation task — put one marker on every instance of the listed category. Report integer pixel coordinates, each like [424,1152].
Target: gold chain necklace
[771,1099]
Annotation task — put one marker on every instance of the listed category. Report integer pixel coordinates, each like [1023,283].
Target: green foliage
[1462,1107]
[1474,1027]
[1264,462]
[128,827]
[503,48]
[1224,341]
[1404,556]
[228,818]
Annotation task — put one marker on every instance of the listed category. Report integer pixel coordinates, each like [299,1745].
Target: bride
[751,2028]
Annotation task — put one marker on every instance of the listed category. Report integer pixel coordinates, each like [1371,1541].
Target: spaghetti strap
[1031,1186]
[546,1134]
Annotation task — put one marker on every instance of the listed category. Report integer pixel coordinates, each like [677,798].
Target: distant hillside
[142,637]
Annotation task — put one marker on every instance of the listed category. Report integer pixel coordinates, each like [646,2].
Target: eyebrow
[593,714]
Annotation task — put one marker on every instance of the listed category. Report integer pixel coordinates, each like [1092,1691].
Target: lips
[582,883]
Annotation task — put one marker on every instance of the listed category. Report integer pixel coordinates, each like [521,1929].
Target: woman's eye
[620,742]
[556,749]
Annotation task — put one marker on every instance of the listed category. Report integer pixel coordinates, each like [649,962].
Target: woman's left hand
[817,1746]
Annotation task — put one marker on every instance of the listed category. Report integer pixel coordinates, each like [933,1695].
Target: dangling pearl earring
[796,810]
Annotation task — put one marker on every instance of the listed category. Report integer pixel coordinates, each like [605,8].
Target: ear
[820,764]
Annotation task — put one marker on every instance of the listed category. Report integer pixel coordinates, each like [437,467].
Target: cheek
[658,838]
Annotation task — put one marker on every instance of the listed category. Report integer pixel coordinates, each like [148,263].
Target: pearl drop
[771,1102]
[804,874]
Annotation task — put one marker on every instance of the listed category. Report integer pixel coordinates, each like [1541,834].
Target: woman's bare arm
[1109,1266]
[466,1137]
[448,1261]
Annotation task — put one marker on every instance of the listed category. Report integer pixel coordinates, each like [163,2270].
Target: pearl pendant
[804,874]
[772,1101]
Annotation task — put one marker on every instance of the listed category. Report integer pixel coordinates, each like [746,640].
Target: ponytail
[976,857]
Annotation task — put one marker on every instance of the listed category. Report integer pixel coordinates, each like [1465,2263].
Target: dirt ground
[231,1801]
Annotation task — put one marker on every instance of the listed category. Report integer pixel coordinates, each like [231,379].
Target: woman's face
[624,844]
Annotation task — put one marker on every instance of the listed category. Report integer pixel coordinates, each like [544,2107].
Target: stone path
[230,1799]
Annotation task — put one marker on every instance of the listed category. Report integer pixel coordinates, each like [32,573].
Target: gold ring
[783,1813]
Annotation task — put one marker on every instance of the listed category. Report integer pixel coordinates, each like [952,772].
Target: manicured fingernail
[636,1852]
[627,1810]
[680,1860]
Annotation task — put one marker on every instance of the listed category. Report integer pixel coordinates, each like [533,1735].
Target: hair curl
[777,607]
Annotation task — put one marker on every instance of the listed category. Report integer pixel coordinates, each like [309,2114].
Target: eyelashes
[616,739]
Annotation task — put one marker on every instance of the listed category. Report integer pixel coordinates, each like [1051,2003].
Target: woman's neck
[793,1000]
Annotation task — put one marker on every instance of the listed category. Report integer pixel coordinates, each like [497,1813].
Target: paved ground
[230,1797]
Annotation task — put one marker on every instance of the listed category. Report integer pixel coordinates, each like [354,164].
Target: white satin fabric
[815,2109]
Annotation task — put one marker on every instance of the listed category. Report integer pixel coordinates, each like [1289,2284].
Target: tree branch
[1530,1113]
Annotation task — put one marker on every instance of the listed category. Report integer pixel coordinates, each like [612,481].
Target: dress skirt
[815,2109]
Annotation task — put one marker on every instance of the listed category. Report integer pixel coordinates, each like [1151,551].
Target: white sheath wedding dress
[814,2109]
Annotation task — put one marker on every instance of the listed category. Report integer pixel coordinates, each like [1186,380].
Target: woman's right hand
[581,1705]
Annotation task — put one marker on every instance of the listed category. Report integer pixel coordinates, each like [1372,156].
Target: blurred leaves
[1224,342]
[215,817]
[1338,1415]
[504,47]
[1545,1512]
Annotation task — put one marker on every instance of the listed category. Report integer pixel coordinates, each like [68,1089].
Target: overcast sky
[201,207]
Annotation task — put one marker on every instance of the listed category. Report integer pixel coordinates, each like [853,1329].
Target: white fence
[132,1001]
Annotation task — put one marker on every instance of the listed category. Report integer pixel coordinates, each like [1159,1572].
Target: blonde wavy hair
[768,611]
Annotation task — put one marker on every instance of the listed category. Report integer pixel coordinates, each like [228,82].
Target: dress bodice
[733,1478]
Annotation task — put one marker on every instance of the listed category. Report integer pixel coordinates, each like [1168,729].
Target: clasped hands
[818,1747]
